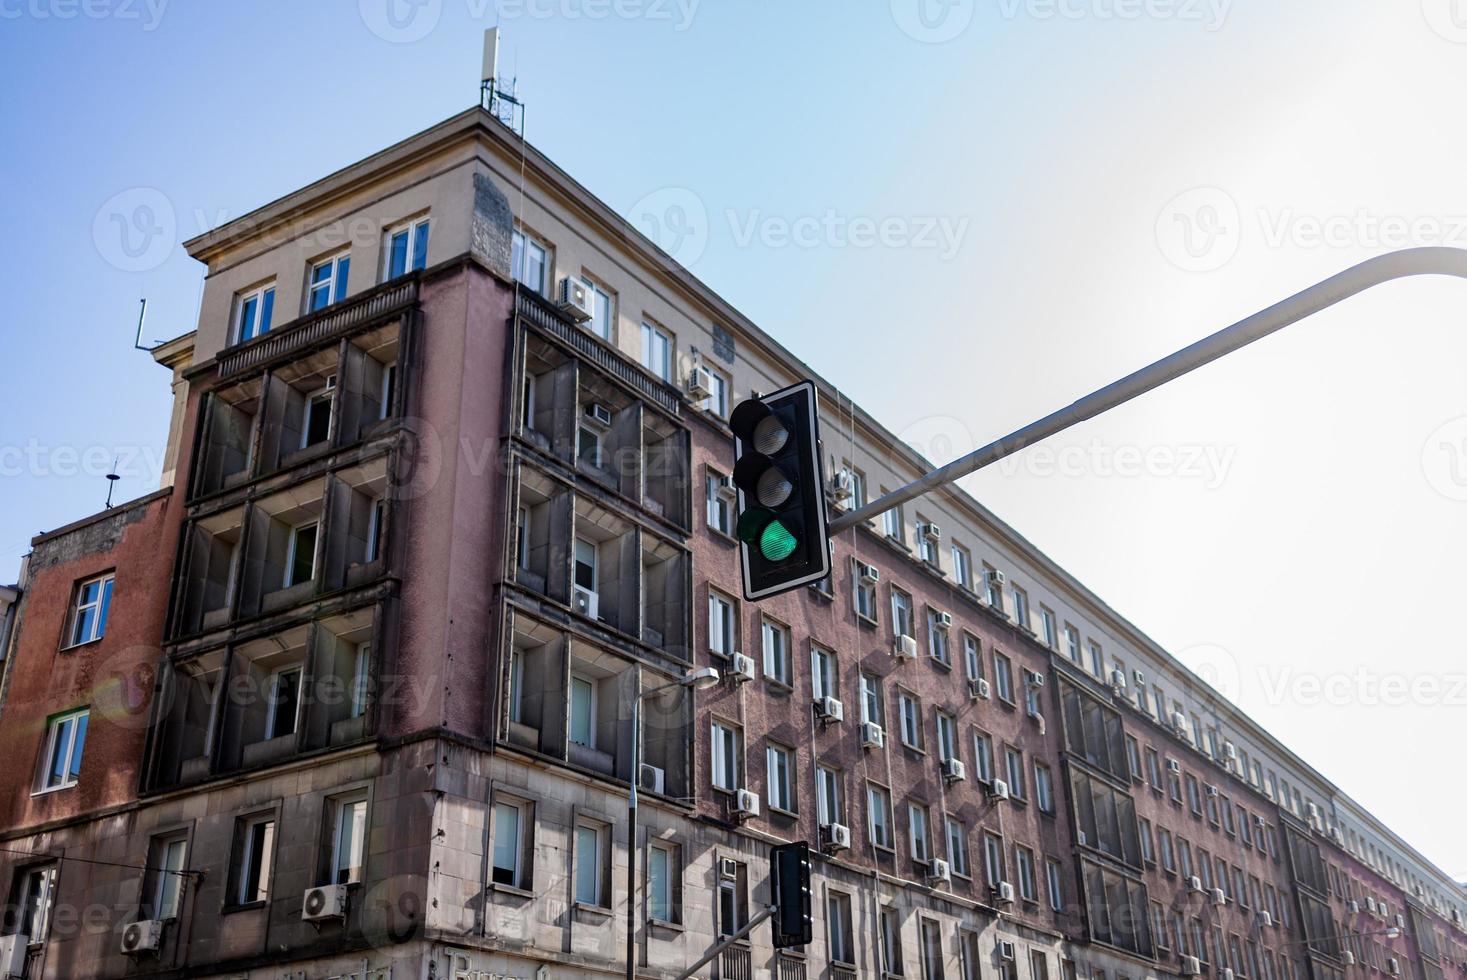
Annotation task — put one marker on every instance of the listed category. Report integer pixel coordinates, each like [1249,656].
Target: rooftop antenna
[500,102]
[137,341]
[112,479]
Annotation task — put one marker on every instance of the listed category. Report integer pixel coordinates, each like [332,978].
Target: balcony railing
[384,302]
[736,963]
[542,314]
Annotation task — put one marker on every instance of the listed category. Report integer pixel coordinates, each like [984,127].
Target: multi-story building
[447,495]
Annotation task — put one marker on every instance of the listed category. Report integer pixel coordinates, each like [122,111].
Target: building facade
[447,495]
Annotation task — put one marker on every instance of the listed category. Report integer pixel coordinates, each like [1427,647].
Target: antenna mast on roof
[499,100]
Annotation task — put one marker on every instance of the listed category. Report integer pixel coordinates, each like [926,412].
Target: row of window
[405,250]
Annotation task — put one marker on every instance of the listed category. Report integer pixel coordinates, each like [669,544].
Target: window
[663,877]
[583,710]
[1204,868]
[348,838]
[407,248]
[602,309]
[1043,787]
[829,807]
[1097,660]
[300,558]
[316,428]
[892,524]
[1072,643]
[657,351]
[994,587]
[1148,844]
[254,857]
[947,737]
[1168,854]
[282,711]
[1003,677]
[588,447]
[591,863]
[871,700]
[937,637]
[1047,627]
[722,639]
[838,921]
[725,757]
[1021,607]
[513,830]
[375,525]
[1153,769]
[858,486]
[910,712]
[1184,857]
[878,815]
[780,762]
[1133,758]
[1194,795]
[361,679]
[720,507]
[983,756]
[891,943]
[585,570]
[926,540]
[931,949]
[1014,765]
[718,387]
[35,891]
[328,282]
[253,309]
[901,614]
[824,682]
[1054,878]
[972,657]
[962,566]
[529,263]
[733,897]
[777,653]
[165,868]
[957,847]
[1024,862]
[66,737]
[993,859]
[917,831]
[1038,965]
[865,593]
[89,611]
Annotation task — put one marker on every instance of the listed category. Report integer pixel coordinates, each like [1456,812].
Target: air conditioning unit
[324,902]
[1174,767]
[869,574]
[837,836]
[654,779]
[843,486]
[942,620]
[1194,884]
[998,789]
[1003,893]
[1347,958]
[726,488]
[1353,907]
[1082,838]
[728,869]
[585,602]
[597,414]
[1118,680]
[1191,966]
[940,870]
[1400,921]
[1393,966]
[905,647]
[1034,678]
[144,936]
[1230,751]
[1370,904]
[743,667]
[978,688]
[953,770]
[1179,722]
[1337,835]
[700,383]
[13,954]
[872,737]
[830,709]
[929,531]
[995,577]
[747,803]
[1227,974]
[1140,678]
[1211,790]
[1265,919]
[1219,897]
[575,299]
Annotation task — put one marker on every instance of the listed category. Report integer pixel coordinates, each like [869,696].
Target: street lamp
[698,680]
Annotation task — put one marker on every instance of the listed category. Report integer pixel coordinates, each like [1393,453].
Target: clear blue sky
[1111,186]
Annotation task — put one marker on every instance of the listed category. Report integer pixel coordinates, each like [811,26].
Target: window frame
[338,806]
[653,331]
[249,871]
[335,282]
[100,607]
[263,296]
[412,227]
[74,753]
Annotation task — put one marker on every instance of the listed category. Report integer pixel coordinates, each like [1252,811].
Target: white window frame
[878,815]
[722,625]
[295,532]
[523,821]
[172,858]
[652,332]
[725,748]
[413,227]
[909,711]
[587,831]
[246,866]
[947,736]
[326,393]
[72,753]
[521,243]
[361,678]
[776,643]
[272,703]
[1024,870]
[100,607]
[957,846]
[1055,883]
[670,876]
[779,777]
[335,282]
[871,700]
[263,296]
[824,680]
[962,566]
[719,508]
[598,295]
[1048,627]
[919,833]
[828,803]
[983,760]
[593,709]
[594,564]
[354,807]
[901,614]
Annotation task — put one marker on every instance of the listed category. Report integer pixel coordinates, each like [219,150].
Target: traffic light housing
[794,923]
[781,485]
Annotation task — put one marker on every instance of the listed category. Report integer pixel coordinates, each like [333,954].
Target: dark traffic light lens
[770,436]
[774,488]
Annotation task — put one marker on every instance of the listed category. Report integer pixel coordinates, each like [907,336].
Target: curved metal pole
[1372,272]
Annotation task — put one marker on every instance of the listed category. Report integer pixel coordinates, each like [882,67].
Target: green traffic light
[776,543]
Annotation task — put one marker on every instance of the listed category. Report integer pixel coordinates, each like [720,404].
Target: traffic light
[778,473]
[793,915]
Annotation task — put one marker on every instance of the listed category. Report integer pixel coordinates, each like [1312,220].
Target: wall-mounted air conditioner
[746,804]
[324,902]
[953,770]
[978,688]
[585,602]
[940,870]
[700,383]
[654,779]
[905,647]
[743,667]
[998,789]
[837,836]
[574,299]
[830,709]
[872,735]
